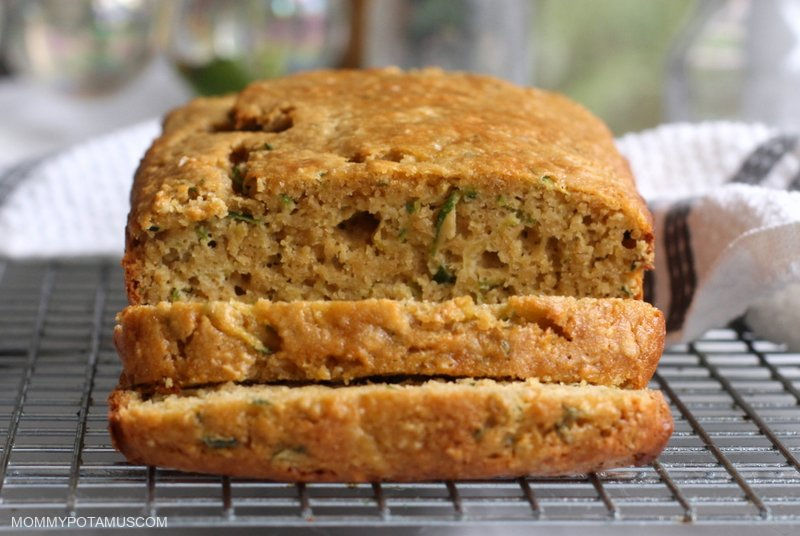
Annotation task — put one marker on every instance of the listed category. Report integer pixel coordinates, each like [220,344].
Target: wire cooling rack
[732,460]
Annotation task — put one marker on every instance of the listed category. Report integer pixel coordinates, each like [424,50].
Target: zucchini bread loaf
[557,339]
[463,429]
[387,275]
[384,184]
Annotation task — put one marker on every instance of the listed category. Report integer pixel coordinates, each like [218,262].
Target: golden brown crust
[479,128]
[601,341]
[436,430]
[414,133]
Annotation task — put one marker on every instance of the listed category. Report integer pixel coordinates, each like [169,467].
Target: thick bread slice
[601,341]
[435,430]
[347,185]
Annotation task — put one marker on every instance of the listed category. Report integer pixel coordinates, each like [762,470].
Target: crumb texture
[386,184]
[434,430]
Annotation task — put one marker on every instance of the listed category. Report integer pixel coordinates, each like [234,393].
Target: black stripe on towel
[680,262]
[677,238]
[757,166]
[649,287]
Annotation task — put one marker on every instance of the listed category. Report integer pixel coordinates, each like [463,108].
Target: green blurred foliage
[610,55]
[217,77]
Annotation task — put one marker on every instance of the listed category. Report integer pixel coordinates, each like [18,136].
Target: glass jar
[220,46]
[471,35]
[737,59]
[81,46]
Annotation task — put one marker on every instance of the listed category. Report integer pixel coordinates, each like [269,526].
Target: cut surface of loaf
[556,339]
[435,430]
[384,184]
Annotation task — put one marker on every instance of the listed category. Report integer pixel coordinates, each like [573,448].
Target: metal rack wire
[733,458]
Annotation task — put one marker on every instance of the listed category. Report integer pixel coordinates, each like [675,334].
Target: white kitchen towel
[724,197]
[72,203]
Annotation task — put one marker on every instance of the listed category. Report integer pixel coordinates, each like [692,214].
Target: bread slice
[347,185]
[435,430]
[601,341]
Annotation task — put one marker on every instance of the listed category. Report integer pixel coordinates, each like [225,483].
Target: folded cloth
[725,198]
[726,205]
[72,203]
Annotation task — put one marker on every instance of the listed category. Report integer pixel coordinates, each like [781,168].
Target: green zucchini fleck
[625,290]
[261,402]
[443,276]
[175,295]
[551,183]
[267,147]
[569,416]
[470,194]
[242,216]
[412,206]
[287,202]
[202,233]
[524,217]
[448,206]
[220,442]
[401,235]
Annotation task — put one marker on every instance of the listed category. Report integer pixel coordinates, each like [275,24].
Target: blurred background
[70,69]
